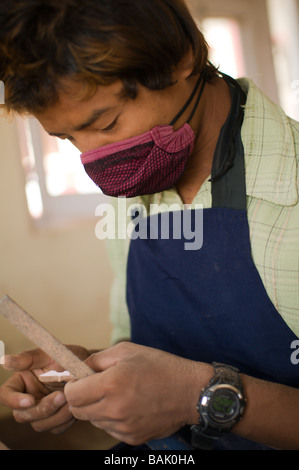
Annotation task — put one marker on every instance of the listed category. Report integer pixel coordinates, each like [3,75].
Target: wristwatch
[220,406]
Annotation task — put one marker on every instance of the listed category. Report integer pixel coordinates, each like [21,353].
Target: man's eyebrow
[94,116]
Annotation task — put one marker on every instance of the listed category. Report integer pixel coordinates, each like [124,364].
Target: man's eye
[111,126]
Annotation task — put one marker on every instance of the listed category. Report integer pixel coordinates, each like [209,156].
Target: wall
[62,277]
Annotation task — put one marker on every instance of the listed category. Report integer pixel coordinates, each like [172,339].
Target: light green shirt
[271,145]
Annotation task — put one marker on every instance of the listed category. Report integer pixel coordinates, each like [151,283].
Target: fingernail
[59,399]
[26,402]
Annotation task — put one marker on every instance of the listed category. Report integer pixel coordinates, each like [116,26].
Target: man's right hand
[32,401]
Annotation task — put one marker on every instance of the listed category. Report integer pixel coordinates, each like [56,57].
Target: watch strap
[201,439]
[204,435]
[226,374]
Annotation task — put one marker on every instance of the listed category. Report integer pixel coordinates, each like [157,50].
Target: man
[211,329]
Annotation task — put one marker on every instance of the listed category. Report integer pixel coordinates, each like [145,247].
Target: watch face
[224,405]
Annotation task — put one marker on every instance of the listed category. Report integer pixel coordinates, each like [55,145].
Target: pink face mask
[146,164]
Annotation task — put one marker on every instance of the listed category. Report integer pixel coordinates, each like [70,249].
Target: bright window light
[34,199]
[58,190]
[224,39]
[64,172]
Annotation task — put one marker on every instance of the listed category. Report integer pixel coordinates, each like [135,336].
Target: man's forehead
[73,94]
[77,111]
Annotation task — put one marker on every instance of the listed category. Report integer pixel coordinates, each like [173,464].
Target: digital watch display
[221,405]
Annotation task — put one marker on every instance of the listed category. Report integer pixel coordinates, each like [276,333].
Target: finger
[103,409]
[111,356]
[21,390]
[43,410]
[64,427]
[12,393]
[32,385]
[56,423]
[89,412]
[34,359]
[85,391]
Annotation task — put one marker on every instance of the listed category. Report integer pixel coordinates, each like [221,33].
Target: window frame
[252,15]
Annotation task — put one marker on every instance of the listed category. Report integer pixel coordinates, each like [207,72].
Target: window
[58,190]
[238,34]
[224,38]
[258,39]
[284,28]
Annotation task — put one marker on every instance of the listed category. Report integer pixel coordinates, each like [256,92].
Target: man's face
[107,118]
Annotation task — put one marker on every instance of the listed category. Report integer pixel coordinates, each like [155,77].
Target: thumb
[100,361]
[109,357]
[27,360]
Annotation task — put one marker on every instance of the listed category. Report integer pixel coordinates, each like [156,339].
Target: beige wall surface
[61,277]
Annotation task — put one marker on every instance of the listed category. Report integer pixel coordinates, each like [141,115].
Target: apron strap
[228,169]
[228,190]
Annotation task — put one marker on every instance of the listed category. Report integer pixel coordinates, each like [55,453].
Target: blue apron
[210,304]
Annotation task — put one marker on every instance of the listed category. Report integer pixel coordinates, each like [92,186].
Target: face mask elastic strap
[201,79]
[204,80]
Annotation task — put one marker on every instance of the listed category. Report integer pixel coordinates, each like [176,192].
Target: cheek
[143,115]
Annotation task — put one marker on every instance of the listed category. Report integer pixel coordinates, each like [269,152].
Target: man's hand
[140,394]
[32,401]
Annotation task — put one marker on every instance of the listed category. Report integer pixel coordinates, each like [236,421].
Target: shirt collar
[270,155]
